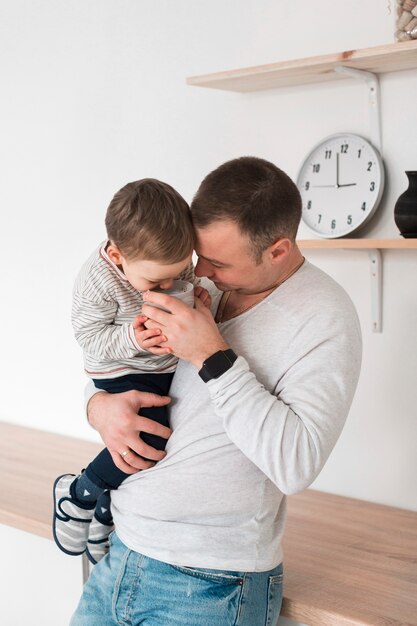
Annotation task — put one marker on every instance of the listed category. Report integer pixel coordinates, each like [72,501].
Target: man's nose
[203,268]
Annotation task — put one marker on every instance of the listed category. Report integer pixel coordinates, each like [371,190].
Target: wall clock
[341,184]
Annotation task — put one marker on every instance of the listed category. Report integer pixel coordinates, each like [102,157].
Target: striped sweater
[104,306]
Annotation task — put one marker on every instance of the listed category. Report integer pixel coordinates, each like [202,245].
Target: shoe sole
[54,520]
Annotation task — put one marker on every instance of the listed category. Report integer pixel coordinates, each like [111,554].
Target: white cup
[181,289]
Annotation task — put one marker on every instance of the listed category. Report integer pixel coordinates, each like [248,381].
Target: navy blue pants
[102,471]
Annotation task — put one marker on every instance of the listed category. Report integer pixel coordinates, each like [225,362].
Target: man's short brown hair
[262,200]
[148,219]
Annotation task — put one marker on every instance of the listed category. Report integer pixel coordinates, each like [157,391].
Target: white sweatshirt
[263,429]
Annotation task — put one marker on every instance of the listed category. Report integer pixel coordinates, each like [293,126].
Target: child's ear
[114,254]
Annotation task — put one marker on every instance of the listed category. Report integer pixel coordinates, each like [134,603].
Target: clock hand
[326,185]
[337,169]
[338,185]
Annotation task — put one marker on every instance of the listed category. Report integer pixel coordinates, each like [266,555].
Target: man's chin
[240,290]
[222,286]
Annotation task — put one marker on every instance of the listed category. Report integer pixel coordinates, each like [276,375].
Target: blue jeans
[127,588]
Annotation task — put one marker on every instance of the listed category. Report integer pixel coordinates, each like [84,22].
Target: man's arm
[288,432]
[116,419]
[289,436]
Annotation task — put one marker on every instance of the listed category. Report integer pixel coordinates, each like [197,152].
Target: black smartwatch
[217,364]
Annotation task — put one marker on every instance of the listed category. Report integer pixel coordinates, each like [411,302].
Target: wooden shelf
[357,244]
[378,60]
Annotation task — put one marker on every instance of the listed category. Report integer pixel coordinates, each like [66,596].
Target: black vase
[405,211]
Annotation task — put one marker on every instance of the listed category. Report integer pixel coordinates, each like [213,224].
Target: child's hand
[203,295]
[148,338]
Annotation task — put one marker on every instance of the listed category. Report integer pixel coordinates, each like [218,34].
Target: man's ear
[280,250]
[114,254]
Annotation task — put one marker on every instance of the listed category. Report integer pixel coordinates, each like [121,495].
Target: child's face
[144,275]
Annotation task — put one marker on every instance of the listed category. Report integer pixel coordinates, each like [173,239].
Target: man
[260,397]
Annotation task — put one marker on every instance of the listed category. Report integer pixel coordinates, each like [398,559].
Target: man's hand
[115,417]
[191,334]
[148,339]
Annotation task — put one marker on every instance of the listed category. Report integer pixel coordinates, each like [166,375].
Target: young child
[150,242]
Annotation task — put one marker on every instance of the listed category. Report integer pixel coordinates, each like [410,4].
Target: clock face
[341,184]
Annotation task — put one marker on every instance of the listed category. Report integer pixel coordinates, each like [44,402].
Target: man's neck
[235,302]
[291,265]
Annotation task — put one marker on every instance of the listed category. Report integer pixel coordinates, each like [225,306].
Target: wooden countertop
[347,562]
[30,460]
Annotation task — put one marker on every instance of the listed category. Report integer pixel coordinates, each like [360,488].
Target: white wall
[93,96]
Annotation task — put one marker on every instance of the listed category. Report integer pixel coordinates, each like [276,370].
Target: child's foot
[99,530]
[97,549]
[71,517]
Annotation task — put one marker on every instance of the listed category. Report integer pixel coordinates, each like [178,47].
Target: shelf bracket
[375,258]
[376,289]
[372,83]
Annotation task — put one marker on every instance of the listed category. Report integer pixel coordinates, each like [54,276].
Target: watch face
[341,184]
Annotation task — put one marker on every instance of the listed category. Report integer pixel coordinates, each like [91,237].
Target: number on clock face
[341,184]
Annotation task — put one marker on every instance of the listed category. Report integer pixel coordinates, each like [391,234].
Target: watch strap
[217,364]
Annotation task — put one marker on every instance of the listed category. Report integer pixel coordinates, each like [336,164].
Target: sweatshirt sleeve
[188,274]
[90,390]
[290,432]
[96,332]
